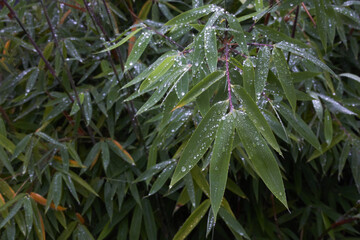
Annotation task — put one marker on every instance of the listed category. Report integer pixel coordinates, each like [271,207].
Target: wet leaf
[210,45]
[192,15]
[260,156]
[284,77]
[328,128]
[192,220]
[238,33]
[261,70]
[232,223]
[249,78]
[161,179]
[200,88]
[138,49]
[202,138]
[220,159]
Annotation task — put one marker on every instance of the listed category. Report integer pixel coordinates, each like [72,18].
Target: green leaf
[12,212]
[120,151]
[284,77]
[55,189]
[220,159]
[351,76]
[31,81]
[69,183]
[105,155]
[192,15]
[124,40]
[192,220]
[249,78]
[68,231]
[321,22]
[21,146]
[83,233]
[6,161]
[153,170]
[261,157]
[200,88]
[149,220]
[257,118]
[232,223]
[47,52]
[238,33]
[305,54]
[72,50]
[74,154]
[29,214]
[135,226]
[210,45]
[299,125]
[87,107]
[328,128]
[259,5]
[159,71]
[82,182]
[261,71]
[233,187]
[160,181]
[202,138]
[138,49]
[344,155]
[325,147]
[49,139]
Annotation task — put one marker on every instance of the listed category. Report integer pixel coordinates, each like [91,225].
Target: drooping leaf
[161,179]
[257,118]
[202,138]
[220,159]
[232,223]
[299,126]
[138,49]
[200,87]
[192,15]
[260,156]
[192,220]
[210,45]
[284,77]
[261,70]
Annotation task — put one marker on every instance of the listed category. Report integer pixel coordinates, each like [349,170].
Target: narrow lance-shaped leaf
[160,181]
[202,138]
[200,88]
[321,21]
[210,46]
[249,78]
[12,212]
[29,214]
[87,107]
[299,125]
[192,220]
[238,33]
[6,161]
[157,73]
[261,157]
[105,155]
[82,182]
[305,54]
[192,15]
[122,41]
[32,80]
[257,118]
[220,159]
[232,223]
[328,128]
[139,47]
[284,76]
[120,150]
[262,70]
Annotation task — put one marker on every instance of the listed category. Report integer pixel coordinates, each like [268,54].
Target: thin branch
[308,13]
[71,79]
[295,22]
[48,65]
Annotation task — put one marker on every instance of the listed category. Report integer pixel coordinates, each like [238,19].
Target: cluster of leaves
[135,120]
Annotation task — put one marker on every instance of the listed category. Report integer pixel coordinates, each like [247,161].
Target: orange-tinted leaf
[6,189]
[95,160]
[41,200]
[72,163]
[122,149]
[80,218]
[42,227]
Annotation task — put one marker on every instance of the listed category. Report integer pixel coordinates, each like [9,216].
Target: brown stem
[308,13]
[71,79]
[48,65]
[267,17]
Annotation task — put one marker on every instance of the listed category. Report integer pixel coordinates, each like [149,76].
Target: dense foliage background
[169,119]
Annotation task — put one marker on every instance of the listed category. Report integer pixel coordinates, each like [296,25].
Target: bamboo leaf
[200,87]
[232,223]
[160,181]
[249,78]
[220,159]
[135,226]
[238,33]
[202,138]
[210,45]
[20,147]
[153,170]
[284,77]
[260,156]
[120,150]
[328,128]
[87,107]
[138,49]
[12,212]
[261,71]
[192,220]
[122,41]
[257,118]
[192,15]
[299,125]
[82,182]
[105,155]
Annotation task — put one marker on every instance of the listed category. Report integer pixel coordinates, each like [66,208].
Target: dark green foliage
[179,119]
